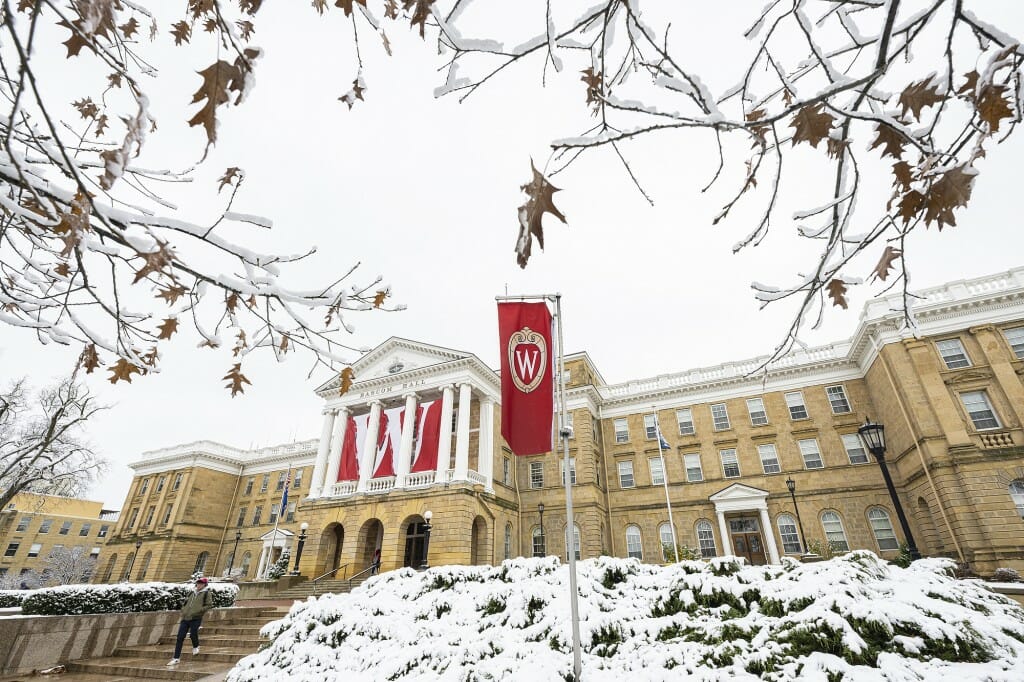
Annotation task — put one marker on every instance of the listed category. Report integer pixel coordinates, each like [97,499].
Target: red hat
[202,580]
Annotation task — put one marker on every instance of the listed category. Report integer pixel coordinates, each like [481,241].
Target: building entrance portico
[747,532]
[746,540]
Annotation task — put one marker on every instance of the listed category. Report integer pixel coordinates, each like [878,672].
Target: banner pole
[570,529]
[664,480]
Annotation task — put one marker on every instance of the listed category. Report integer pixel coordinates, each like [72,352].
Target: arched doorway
[332,540]
[478,554]
[371,535]
[415,553]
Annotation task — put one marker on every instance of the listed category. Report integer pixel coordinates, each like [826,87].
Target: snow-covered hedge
[12,598]
[853,618]
[121,598]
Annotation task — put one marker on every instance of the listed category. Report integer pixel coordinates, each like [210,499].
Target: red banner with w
[527,398]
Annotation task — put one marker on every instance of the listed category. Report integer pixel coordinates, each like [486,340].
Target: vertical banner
[527,396]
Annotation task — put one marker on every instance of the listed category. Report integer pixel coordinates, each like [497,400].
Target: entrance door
[747,541]
[415,545]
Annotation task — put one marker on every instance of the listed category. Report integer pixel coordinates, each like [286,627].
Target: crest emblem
[527,358]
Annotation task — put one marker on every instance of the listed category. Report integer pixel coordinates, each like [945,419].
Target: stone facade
[951,399]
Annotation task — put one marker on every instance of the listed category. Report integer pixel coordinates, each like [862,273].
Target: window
[110,568]
[45,526]
[769,458]
[246,562]
[1017,495]
[730,463]
[167,515]
[854,448]
[290,516]
[621,431]
[758,416]
[145,566]
[795,403]
[837,399]
[506,471]
[103,531]
[979,409]
[667,545]
[634,543]
[538,543]
[536,474]
[1015,337]
[256,514]
[160,483]
[626,474]
[953,353]
[23,524]
[693,471]
[94,553]
[787,531]
[508,541]
[881,526]
[650,426]
[241,516]
[150,513]
[706,539]
[280,482]
[33,551]
[810,452]
[86,527]
[834,532]
[12,549]
[248,486]
[657,469]
[265,484]
[177,481]
[572,470]
[297,481]
[575,542]
[145,486]
[201,562]
[685,419]
[273,513]
[65,528]
[720,417]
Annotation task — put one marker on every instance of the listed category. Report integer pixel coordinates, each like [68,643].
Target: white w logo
[527,363]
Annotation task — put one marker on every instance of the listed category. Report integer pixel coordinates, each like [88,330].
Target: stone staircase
[305,589]
[227,635]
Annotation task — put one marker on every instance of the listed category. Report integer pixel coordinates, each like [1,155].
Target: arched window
[128,563]
[538,542]
[788,533]
[634,542]
[201,562]
[668,552]
[146,558]
[246,562]
[508,540]
[834,532]
[706,539]
[576,541]
[110,568]
[1017,495]
[881,526]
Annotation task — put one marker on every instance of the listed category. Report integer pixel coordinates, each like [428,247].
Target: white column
[263,562]
[334,459]
[486,440]
[769,536]
[462,433]
[405,444]
[316,484]
[723,528]
[444,444]
[369,447]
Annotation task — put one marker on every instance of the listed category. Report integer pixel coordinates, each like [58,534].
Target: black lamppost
[298,550]
[131,566]
[543,538]
[427,515]
[874,438]
[231,561]
[791,484]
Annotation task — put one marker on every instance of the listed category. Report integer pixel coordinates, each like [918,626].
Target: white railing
[476,477]
[380,485]
[419,479]
[449,475]
[343,488]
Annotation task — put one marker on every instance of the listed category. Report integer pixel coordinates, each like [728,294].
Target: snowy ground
[854,618]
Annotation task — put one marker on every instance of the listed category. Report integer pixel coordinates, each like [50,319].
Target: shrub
[1006,575]
[903,559]
[279,568]
[123,598]
[11,598]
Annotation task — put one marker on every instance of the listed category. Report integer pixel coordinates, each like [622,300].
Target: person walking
[375,565]
[196,606]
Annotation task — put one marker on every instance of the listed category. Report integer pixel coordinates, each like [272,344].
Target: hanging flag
[348,469]
[284,495]
[662,442]
[527,396]
[428,416]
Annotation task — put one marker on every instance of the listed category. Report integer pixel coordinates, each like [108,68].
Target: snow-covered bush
[853,618]
[12,598]
[1006,575]
[121,598]
[278,568]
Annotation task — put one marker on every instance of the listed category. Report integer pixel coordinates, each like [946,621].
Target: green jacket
[197,604]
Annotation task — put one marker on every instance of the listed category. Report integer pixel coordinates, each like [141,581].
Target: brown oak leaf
[240,343]
[219,79]
[62,269]
[970,85]
[837,292]
[540,193]
[129,28]
[155,261]
[892,140]
[168,327]
[346,378]
[86,107]
[391,9]
[890,254]
[347,5]
[904,175]
[115,80]
[25,5]
[593,82]
[952,190]
[182,32]
[420,12]
[910,206]
[171,293]
[210,25]
[246,29]
[283,347]
[250,7]
[835,148]
[993,106]
[231,302]
[200,8]
[811,124]
[123,370]
[378,298]
[89,359]
[101,125]
[229,175]
[919,95]
[235,379]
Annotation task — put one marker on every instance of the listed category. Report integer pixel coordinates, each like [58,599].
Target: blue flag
[661,441]
[284,496]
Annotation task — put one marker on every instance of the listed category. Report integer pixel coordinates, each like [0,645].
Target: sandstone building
[419,430]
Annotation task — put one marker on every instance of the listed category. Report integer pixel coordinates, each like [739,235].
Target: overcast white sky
[425,192]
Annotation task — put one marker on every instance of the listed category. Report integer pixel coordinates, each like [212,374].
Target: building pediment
[281,534]
[738,492]
[393,358]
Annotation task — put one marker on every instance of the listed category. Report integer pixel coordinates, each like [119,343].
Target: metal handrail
[318,578]
[365,570]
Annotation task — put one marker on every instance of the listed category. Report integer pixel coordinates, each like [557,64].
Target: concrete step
[240,630]
[252,643]
[207,652]
[147,668]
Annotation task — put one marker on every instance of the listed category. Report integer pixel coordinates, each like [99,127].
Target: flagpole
[570,529]
[280,511]
[664,481]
